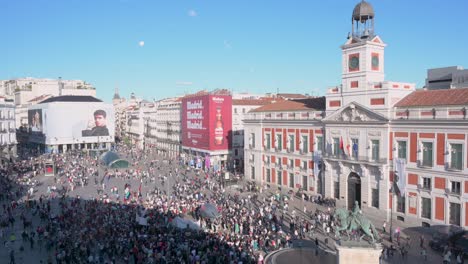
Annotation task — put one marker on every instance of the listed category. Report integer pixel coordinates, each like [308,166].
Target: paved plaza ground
[39,255]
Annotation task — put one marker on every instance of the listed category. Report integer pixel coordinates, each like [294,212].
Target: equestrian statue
[349,221]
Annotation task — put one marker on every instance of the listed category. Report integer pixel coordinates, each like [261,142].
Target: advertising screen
[195,122]
[76,123]
[220,121]
[35,120]
[206,122]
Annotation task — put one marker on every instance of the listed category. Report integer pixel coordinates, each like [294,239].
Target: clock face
[354,63]
[375,62]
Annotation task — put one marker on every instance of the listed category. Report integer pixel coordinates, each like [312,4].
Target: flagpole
[391,213]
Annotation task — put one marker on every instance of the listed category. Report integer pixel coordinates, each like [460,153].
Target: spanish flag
[341,145]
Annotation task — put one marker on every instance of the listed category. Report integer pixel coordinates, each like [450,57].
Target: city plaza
[398,152]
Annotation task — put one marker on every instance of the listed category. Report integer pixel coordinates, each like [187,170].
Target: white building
[120,108]
[240,108]
[7,130]
[138,121]
[167,124]
[25,90]
[63,123]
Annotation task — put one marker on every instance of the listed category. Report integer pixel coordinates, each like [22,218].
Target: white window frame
[335,150]
[280,137]
[398,148]
[252,139]
[317,145]
[278,161]
[449,154]
[267,141]
[301,143]
[431,183]
[288,143]
[459,189]
[371,149]
[421,151]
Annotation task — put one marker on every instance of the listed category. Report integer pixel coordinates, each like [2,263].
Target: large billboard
[35,120]
[72,123]
[207,122]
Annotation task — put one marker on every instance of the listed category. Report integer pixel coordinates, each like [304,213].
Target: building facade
[381,144]
[138,117]
[64,123]
[447,78]
[429,133]
[7,131]
[206,119]
[167,127]
[120,107]
[240,109]
[282,138]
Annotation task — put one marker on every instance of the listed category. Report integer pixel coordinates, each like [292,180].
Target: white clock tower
[363,79]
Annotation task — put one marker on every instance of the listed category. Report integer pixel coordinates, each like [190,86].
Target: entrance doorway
[354,190]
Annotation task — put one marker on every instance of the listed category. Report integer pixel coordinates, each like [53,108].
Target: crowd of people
[131,216]
[105,229]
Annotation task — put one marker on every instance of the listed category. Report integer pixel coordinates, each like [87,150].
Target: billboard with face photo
[73,123]
[35,120]
[98,127]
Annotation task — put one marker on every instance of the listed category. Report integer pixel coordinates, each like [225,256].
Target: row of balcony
[280,166]
[355,158]
[282,150]
[447,191]
[166,140]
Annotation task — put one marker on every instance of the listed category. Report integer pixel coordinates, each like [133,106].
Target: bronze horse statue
[354,221]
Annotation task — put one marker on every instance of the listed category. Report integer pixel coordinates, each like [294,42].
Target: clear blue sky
[244,45]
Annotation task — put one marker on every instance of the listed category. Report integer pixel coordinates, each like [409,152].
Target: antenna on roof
[60,86]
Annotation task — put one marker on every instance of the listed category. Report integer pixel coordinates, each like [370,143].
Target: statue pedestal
[353,252]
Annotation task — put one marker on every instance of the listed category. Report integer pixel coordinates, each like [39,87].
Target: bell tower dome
[363,20]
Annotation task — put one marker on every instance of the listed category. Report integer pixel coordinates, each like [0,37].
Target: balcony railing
[355,158]
[424,164]
[424,187]
[452,191]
